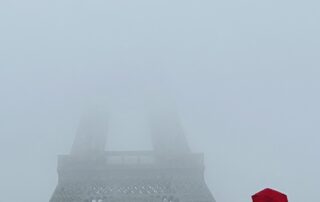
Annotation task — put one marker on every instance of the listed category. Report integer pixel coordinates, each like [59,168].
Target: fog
[241,79]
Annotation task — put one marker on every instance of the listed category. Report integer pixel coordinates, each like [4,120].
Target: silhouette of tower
[169,173]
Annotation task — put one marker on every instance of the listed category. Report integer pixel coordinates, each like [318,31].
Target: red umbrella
[269,195]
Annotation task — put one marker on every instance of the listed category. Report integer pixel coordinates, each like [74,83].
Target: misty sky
[244,76]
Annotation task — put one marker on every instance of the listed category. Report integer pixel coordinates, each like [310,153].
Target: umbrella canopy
[269,195]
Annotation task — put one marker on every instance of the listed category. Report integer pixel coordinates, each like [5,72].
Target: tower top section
[91,135]
[167,133]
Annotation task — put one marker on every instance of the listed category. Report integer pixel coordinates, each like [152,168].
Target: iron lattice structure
[95,175]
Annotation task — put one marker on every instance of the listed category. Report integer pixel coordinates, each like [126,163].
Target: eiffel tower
[169,173]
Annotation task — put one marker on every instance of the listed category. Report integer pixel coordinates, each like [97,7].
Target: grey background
[244,76]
